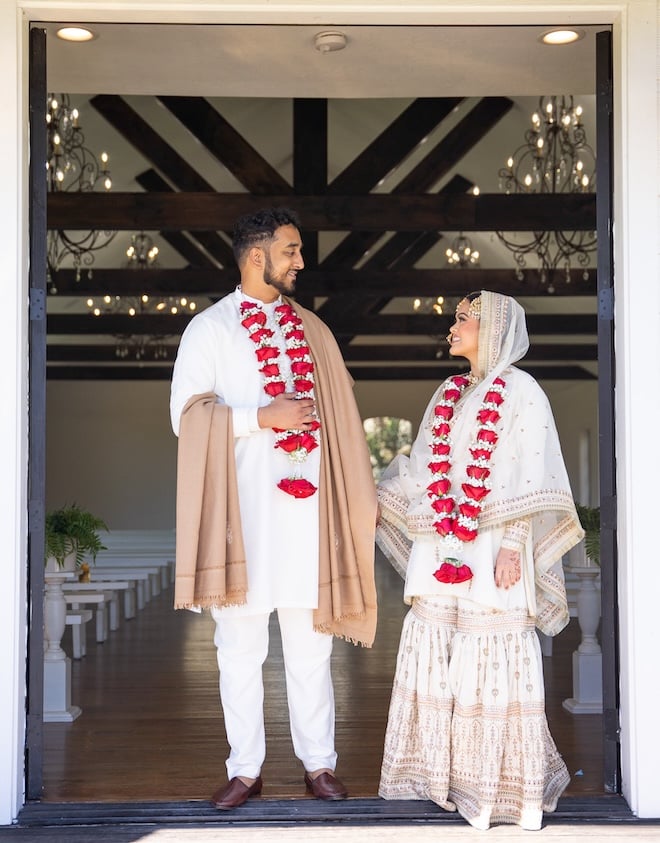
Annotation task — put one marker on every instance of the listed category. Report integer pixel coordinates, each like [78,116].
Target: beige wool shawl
[210,559]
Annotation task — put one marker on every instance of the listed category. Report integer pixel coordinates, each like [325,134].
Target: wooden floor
[151,727]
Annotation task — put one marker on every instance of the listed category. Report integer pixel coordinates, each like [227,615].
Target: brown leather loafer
[326,786]
[235,793]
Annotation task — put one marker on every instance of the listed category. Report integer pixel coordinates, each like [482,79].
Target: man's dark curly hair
[259,228]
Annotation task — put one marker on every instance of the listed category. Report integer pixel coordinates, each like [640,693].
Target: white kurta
[280,533]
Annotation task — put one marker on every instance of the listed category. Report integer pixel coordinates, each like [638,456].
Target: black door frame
[37,418]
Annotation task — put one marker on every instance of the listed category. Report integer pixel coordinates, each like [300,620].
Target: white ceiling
[281,61]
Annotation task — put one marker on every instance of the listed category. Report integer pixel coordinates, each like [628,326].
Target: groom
[262,381]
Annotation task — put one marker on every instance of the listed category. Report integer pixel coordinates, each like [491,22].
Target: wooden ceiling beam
[227,145]
[374,212]
[211,241]
[391,353]
[393,145]
[163,372]
[319,282]
[150,144]
[395,324]
[427,174]
[310,167]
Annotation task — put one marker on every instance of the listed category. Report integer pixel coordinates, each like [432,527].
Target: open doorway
[101,390]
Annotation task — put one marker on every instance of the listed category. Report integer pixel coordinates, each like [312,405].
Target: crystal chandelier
[555,158]
[429,305]
[461,252]
[71,167]
[141,254]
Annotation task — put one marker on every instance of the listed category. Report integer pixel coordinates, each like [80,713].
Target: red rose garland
[459,519]
[296,443]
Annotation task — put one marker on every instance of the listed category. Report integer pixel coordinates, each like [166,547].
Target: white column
[57,665]
[587,659]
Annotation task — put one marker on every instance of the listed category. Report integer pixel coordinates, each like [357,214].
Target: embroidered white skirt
[467,725]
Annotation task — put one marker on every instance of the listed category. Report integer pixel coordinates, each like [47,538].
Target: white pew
[78,620]
[141,579]
[146,579]
[111,587]
[99,599]
[140,548]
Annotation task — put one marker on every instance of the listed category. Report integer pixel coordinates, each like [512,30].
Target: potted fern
[72,532]
[590,519]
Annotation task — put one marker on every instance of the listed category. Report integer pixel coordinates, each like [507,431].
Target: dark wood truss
[352,284]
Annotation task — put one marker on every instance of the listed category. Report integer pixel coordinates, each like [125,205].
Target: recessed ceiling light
[561,36]
[75,33]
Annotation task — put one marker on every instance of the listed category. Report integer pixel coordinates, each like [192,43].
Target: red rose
[266,353]
[258,318]
[463,574]
[494,398]
[488,416]
[441,429]
[260,334]
[444,412]
[270,370]
[480,453]
[288,318]
[439,487]
[303,384]
[499,382]
[308,442]
[302,367]
[274,388]
[464,533]
[298,488]
[442,505]
[487,436]
[290,444]
[476,472]
[303,351]
[441,467]
[451,573]
[469,510]
[440,449]
[315,424]
[444,526]
[294,334]
[452,394]
[460,381]
[477,493]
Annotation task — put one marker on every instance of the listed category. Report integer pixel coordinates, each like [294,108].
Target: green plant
[73,530]
[590,519]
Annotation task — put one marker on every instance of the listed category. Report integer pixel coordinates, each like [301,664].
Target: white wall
[110,447]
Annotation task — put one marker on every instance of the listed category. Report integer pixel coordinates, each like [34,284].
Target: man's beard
[284,285]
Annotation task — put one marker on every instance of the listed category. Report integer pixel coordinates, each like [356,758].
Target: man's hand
[287,412]
[507,568]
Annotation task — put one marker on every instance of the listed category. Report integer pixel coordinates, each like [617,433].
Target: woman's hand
[286,412]
[507,568]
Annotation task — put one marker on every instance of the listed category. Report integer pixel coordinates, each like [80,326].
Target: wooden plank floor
[151,727]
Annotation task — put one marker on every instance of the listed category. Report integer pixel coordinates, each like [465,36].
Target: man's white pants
[242,645]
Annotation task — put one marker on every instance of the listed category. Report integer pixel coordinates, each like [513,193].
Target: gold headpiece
[474,307]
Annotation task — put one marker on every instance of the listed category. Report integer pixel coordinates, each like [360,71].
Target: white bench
[77,620]
[111,586]
[99,599]
[146,579]
[140,548]
[140,578]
